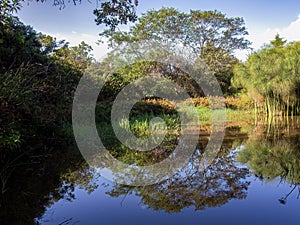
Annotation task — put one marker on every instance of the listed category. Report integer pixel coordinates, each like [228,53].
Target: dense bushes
[242,102]
[36,86]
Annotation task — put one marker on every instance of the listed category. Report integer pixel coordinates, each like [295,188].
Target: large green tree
[209,35]
[196,29]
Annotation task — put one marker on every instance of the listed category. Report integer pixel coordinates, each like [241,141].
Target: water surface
[254,180]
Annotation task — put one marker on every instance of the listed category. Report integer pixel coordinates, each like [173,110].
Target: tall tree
[209,35]
[196,30]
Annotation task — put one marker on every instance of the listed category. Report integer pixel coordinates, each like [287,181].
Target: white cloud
[74,38]
[259,38]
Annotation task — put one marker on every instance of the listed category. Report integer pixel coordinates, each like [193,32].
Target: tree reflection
[40,181]
[43,181]
[274,155]
[189,187]
[214,186]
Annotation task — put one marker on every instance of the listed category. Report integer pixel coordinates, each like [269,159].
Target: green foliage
[78,57]
[110,13]
[50,44]
[19,43]
[140,125]
[204,114]
[117,78]
[209,35]
[140,116]
[217,30]
[115,12]
[9,139]
[198,29]
[221,62]
[38,77]
[278,42]
[7,7]
[271,77]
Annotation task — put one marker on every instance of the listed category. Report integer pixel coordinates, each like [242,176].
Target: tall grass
[231,115]
[140,125]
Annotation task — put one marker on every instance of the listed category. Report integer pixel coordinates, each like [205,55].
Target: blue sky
[263,18]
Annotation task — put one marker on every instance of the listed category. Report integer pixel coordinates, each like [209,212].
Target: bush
[36,86]
[242,103]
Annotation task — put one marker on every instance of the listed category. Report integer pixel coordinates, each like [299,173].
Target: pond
[254,180]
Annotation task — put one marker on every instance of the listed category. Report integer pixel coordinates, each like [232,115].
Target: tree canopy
[209,35]
[196,29]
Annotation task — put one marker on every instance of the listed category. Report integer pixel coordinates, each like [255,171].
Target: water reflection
[36,184]
[213,187]
[269,153]
[275,154]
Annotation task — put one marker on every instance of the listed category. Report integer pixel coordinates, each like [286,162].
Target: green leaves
[111,13]
[271,76]
[38,77]
[10,139]
[214,28]
[196,30]
[7,7]
[115,12]
[208,35]
[278,42]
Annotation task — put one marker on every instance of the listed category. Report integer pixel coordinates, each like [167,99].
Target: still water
[254,180]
